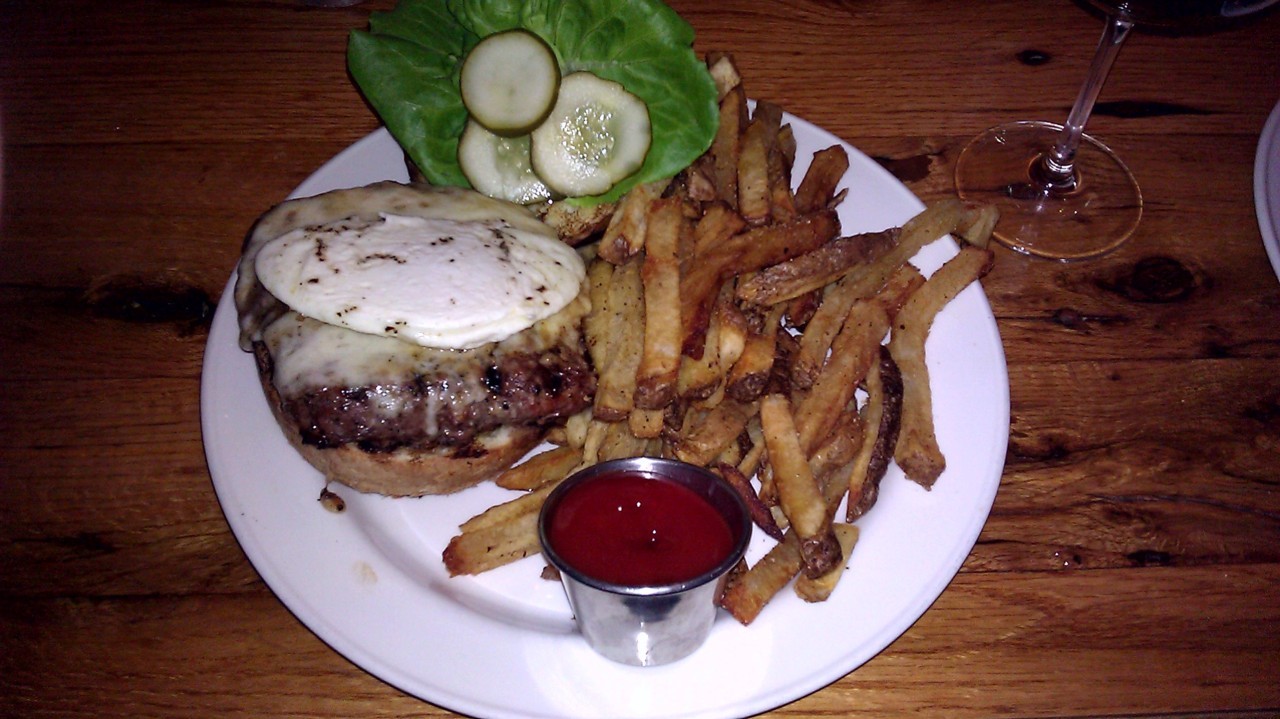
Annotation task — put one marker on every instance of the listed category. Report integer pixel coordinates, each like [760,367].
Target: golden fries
[552,465]
[747,594]
[659,368]
[818,589]
[798,492]
[917,452]
[732,326]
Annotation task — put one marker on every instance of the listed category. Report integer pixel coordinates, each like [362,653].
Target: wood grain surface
[1131,563]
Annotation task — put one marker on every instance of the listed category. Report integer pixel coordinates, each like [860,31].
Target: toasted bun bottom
[410,473]
[405,472]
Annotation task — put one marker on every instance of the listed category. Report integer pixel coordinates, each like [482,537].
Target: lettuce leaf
[408,62]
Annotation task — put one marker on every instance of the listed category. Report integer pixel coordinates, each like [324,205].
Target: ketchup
[631,529]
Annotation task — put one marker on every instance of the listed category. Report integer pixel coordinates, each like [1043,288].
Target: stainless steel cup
[649,625]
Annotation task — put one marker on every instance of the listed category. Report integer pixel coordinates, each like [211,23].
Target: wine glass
[1064,195]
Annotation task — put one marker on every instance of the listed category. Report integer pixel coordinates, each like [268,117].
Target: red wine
[1180,13]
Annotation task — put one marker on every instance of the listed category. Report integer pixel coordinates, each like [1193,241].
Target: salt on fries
[731,327]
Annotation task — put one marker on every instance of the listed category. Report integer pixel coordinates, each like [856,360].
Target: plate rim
[1266,187]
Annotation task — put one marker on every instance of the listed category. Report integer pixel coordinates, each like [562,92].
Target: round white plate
[370,582]
[1266,187]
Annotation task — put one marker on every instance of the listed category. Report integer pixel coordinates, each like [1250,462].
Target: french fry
[917,451]
[753,173]
[554,464]
[829,317]
[624,236]
[659,368]
[817,189]
[726,144]
[618,442]
[853,352]
[749,376]
[977,223]
[716,429]
[767,245]
[840,447]
[881,416]
[760,515]
[598,324]
[699,378]
[616,377]
[476,551]
[799,495]
[748,594]
[575,429]
[937,219]
[500,535]
[779,156]
[593,440]
[816,269]
[744,252]
[701,278]
[818,589]
[724,73]
[646,423]
[501,514]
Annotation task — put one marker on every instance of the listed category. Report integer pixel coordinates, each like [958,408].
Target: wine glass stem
[1059,164]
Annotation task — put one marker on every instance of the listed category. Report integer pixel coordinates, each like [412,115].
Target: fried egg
[447,280]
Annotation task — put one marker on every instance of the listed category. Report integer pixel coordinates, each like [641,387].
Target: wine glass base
[1092,218]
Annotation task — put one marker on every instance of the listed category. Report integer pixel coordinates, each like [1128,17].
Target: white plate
[1266,187]
[370,583]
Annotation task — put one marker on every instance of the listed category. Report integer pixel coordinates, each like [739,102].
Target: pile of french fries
[732,326]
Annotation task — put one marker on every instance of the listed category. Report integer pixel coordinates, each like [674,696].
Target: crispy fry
[646,423]
[700,378]
[724,72]
[937,219]
[592,441]
[598,324]
[624,236]
[753,173]
[575,429]
[853,352]
[473,552]
[818,187]
[708,435]
[799,495]
[745,252]
[840,447]
[725,146]
[881,415]
[619,442]
[554,464]
[760,514]
[624,311]
[700,279]
[819,589]
[977,224]
[829,317]
[752,590]
[750,374]
[659,367]
[917,452]
[814,270]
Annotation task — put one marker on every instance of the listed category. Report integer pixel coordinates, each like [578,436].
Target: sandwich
[413,339]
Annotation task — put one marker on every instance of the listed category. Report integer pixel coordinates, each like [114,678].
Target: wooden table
[1131,562]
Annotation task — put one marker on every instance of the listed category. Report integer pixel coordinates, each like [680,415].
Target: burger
[413,339]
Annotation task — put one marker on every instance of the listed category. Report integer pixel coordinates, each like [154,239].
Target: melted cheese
[448,282]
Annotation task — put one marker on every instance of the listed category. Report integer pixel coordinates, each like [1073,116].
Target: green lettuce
[408,62]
